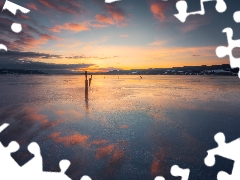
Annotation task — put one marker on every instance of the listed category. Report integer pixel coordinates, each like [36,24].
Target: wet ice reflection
[129,128]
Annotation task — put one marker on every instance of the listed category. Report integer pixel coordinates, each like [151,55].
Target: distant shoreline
[223,69]
[204,75]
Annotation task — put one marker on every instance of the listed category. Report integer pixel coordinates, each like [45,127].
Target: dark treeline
[20,71]
[223,69]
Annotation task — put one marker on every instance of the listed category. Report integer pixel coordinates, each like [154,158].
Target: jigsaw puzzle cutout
[236,16]
[223,51]
[177,171]
[35,165]
[16,27]
[183,14]
[226,150]
[111,1]
[12,7]
[33,169]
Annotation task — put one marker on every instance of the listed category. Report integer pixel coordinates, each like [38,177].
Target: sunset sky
[129,34]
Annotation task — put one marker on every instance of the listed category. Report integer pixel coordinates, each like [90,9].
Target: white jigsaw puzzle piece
[12,7]
[223,51]
[111,1]
[159,178]
[5,153]
[16,27]
[236,16]
[2,46]
[7,163]
[35,164]
[182,9]
[177,171]
[4,126]
[64,165]
[33,169]
[85,178]
[226,150]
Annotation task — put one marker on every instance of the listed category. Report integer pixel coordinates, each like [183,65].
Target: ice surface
[130,128]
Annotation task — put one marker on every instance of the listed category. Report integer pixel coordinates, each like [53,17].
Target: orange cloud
[104,19]
[99,25]
[60,112]
[104,151]
[117,17]
[64,7]
[124,35]
[30,38]
[47,3]
[23,16]
[116,161]
[156,166]
[33,43]
[158,11]
[98,142]
[70,140]
[117,14]
[124,127]
[33,115]
[26,118]
[117,156]
[32,6]
[70,27]
[157,43]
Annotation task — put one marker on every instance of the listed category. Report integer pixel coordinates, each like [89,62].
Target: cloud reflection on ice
[128,129]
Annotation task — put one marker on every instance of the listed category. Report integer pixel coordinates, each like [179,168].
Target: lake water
[129,128]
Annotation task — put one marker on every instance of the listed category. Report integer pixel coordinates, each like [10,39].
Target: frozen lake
[130,128]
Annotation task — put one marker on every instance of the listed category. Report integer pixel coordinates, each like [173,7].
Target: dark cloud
[63,6]
[76,57]
[32,35]
[20,55]
[196,55]
[107,69]
[109,57]
[23,60]
[28,38]
[90,57]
